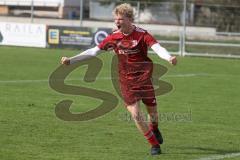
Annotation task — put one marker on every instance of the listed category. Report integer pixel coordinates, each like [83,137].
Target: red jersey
[133,62]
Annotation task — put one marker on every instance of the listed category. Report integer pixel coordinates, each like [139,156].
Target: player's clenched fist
[173,60]
[65,60]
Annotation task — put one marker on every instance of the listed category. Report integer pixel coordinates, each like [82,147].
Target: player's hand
[65,60]
[173,60]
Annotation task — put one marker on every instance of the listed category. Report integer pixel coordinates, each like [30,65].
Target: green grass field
[205,89]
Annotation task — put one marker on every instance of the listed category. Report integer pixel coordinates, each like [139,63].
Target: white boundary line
[219,157]
[108,78]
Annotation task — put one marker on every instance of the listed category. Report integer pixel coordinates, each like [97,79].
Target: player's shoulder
[140,30]
[116,34]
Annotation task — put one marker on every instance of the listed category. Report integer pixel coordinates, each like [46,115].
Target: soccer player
[131,44]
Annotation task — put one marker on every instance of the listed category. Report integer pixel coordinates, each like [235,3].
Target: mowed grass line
[30,129]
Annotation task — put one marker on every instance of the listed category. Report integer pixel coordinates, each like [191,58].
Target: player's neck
[128,30]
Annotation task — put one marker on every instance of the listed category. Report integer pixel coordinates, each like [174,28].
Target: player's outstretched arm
[92,52]
[163,53]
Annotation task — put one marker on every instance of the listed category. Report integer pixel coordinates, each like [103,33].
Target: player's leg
[148,98]
[141,124]
[153,122]
[138,117]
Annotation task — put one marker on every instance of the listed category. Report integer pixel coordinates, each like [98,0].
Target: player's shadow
[201,150]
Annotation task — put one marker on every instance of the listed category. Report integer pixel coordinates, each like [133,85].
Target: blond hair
[124,9]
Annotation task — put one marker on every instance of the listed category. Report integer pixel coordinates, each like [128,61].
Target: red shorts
[132,93]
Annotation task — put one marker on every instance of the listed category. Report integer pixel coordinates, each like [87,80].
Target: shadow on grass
[200,150]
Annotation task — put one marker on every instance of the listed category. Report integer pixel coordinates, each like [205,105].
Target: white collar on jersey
[134,27]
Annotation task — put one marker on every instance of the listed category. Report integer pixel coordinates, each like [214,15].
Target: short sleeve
[107,43]
[149,39]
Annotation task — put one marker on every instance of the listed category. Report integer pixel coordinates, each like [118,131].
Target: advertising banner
[75,37]
[23,34]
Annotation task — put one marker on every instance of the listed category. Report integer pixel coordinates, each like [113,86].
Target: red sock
[151,138]
[153,126]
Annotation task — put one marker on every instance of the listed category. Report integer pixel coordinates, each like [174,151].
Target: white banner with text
[23,34]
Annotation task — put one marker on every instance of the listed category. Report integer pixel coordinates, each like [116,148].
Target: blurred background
[185,27]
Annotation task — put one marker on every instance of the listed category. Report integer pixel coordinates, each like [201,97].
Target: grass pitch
[199,118]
